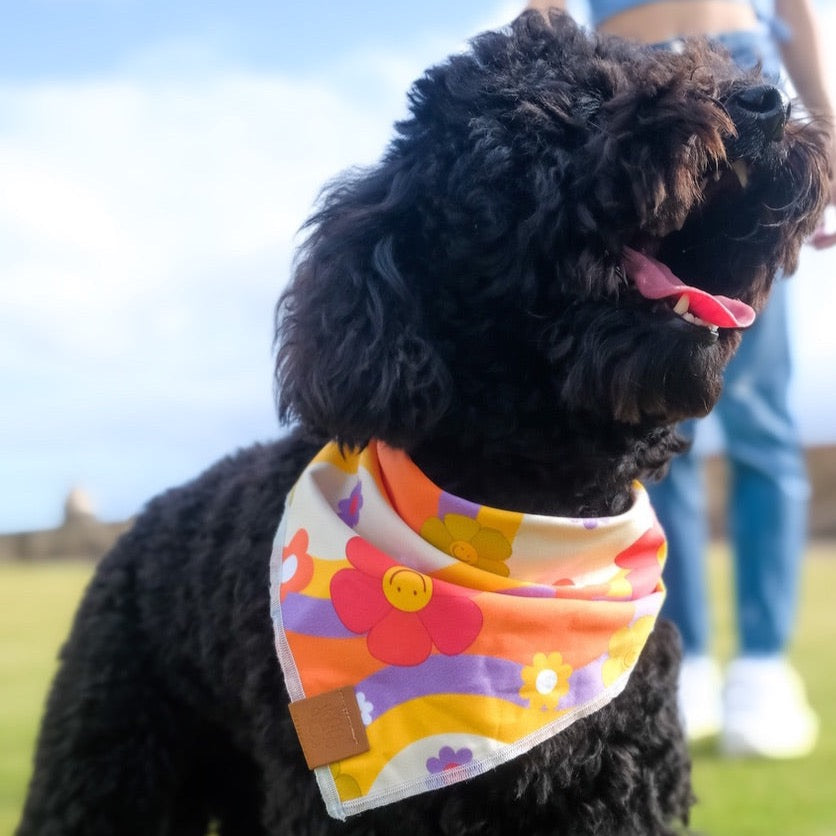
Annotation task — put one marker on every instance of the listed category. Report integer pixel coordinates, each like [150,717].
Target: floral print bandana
[468,634]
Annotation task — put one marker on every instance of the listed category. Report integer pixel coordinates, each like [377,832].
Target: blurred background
[156,162]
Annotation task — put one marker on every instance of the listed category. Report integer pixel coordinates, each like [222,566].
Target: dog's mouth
[656,281]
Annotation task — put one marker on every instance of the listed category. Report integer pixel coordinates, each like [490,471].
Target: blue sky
[157,159]
[90,38]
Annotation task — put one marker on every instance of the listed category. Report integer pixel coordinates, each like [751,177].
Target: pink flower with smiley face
[403,612]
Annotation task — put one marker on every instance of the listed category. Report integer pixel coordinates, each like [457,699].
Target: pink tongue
[654,280]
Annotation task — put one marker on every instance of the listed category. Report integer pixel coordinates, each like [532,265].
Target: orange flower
[297,565]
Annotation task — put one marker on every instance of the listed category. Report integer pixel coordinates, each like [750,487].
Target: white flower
[366,708]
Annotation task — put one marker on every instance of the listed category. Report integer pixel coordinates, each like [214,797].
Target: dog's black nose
[763,104]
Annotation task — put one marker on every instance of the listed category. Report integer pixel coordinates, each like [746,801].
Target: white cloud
[146,228]
[123,191]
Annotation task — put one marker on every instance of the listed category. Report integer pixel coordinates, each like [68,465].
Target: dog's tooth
[695,320]
[681,307]
[741,170]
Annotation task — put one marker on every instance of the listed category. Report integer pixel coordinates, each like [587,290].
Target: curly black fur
[464,300]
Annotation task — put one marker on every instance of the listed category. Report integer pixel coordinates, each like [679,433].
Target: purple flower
[349,509]
[449,759]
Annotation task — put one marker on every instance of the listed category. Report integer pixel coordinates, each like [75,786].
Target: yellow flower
[347,786]
[545,681]
[466,540]
[625,647]
[619,586]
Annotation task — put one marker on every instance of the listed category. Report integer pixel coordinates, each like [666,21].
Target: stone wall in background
[80,536]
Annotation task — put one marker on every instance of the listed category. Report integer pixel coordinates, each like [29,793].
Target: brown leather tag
[329,727]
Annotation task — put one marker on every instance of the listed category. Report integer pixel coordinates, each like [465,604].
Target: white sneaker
[765,710]
[700,706]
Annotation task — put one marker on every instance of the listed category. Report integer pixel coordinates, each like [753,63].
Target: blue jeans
[768,498]
[747,48]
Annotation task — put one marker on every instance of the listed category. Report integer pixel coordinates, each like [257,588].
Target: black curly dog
[465,300]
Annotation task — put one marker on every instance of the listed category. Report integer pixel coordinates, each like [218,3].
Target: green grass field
[737,798]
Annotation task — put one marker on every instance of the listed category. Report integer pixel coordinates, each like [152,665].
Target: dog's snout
[763,104]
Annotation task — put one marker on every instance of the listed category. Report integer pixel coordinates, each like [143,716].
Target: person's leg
[765,709]
[768,491]
[679,502]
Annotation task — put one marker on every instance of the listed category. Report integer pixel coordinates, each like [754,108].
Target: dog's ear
[354,357]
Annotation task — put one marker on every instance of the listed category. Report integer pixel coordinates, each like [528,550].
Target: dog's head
[523,251]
